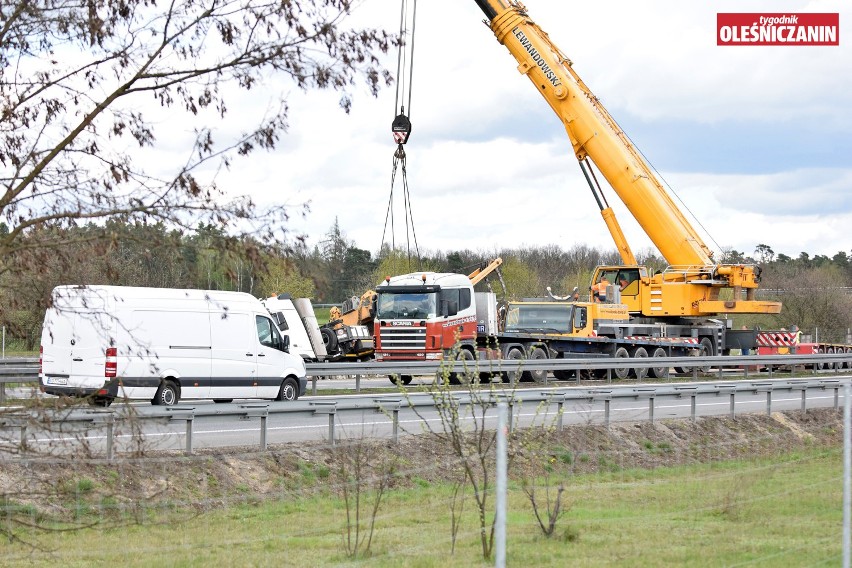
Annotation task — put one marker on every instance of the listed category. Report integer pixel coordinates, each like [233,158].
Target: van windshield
[392,305]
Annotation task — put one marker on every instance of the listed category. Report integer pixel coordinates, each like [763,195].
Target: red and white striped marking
[776,338]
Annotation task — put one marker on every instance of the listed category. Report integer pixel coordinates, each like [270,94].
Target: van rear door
[56,335]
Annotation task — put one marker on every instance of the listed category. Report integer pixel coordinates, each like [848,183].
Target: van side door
[234,372]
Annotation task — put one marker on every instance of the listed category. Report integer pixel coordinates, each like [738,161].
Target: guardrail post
[329,408]
[769,402]
[733,404]
[263,418]
[695,373]
[606,412]
[836,397]
[770,370]
[692,406]
[804,399]
[357,384]
[651,409]
[189,434]
[2,392]
[560,410]
[187,414]
[314,385]
[110,428]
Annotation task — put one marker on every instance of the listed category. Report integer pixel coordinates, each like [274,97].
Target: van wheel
[167,395]
[289,390]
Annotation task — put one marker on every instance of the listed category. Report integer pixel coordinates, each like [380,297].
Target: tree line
[816,291]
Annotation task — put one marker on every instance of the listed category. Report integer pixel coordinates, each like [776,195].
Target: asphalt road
[223,431]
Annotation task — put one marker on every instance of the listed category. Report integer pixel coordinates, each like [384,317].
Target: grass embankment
[779,512]
[757,490]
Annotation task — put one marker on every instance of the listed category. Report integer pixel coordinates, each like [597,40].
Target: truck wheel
[537,354]
[467,357]
[329,338]
[167,395]
[659,372]
[400,379]
[514,374]
[621,374]
[639,372]
[289,390]
[706,351]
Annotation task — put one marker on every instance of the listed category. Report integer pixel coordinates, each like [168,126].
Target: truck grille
[413,338]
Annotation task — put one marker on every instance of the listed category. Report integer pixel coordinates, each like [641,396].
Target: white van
[163,345]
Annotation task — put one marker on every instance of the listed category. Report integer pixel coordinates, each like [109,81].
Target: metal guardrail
[25,369]
[391,406]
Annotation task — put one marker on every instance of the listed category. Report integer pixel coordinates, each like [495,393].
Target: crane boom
[596,138]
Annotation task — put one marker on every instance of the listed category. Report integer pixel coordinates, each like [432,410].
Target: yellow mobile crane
[692,286]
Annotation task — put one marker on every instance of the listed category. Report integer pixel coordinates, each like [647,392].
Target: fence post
[651,409]
[4,342]
[501,485]
[847,475]
[733,404]
[606,412]
[804,399]
[769,402]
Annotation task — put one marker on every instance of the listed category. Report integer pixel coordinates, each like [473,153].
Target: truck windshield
[554,318]
[406,306]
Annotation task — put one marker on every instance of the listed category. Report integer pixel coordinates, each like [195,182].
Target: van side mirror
[285,343]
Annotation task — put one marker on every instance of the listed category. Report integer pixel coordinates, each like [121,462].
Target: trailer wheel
[621,353]
[167,395]
[639,372]
[538,376]
[659,372]
[832,366]
[329,338]
[400,380]
[563,374]
[514,375]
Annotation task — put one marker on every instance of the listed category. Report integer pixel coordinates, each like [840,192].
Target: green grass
[779,512]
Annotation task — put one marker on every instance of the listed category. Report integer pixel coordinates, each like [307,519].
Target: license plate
[56,381]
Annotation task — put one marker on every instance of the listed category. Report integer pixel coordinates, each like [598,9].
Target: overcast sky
[756,142]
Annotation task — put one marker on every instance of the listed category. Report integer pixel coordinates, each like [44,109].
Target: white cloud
[489,167]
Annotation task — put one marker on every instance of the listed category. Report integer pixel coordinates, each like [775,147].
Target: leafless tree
[89,89]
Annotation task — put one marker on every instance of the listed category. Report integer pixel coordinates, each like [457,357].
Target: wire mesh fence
[758,490]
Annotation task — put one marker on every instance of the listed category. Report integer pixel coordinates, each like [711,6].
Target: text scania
[549,74]
[777,29]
